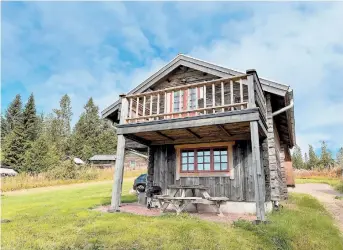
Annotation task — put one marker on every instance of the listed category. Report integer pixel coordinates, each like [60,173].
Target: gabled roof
[103,158]
[210,68]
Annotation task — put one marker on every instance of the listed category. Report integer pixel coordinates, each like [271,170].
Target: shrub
[64,171]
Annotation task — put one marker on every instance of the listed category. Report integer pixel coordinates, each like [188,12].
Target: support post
[119,168]
[257,172]
[150,176]
[251,88]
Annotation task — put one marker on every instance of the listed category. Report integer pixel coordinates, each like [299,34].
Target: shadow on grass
[129,198]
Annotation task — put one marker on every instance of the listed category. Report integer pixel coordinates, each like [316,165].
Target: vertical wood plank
[213,97]
[251,92]
[222,92]
[151,99]
[257,171]
[196,99]
[137,108]
[241,92]
[144,101]
[130,113]
[158,104]
[205,100]
[119,167]
[231,93]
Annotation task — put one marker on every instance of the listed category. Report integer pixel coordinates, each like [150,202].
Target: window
[177,107]
[204,160]
[132,164]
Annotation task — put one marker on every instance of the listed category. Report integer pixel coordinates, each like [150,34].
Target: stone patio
[135,208]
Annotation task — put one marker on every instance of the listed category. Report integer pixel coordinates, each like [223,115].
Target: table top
[187,187]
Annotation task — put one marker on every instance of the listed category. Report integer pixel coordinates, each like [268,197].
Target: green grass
[334,182]
[61,219]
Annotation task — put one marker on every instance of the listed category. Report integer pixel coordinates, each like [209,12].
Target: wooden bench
[180,203]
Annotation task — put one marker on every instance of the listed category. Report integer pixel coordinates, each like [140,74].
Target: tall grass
[26,181]
[332,177]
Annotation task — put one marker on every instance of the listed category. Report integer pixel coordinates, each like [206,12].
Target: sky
[103,49]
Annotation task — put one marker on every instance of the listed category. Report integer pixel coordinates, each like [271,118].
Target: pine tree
[14,112]
[297,159]
[326,160]
[58,126]
[4,128]
[107,138]
[313,159]
[14,145]
[306,166]
[41,156]
[86,137]
[30,121]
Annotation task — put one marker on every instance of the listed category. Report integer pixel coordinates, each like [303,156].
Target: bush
[64,171]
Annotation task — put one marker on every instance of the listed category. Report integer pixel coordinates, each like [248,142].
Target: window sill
[206,174]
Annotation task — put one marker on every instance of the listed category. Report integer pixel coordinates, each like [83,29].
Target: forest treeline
[310,160]
[34,143]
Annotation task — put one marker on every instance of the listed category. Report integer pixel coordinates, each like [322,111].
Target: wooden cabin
[205,124]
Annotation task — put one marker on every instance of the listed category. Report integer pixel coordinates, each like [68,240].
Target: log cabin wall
[240,188]
[275,157]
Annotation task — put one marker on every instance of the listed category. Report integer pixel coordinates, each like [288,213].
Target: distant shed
[103,161]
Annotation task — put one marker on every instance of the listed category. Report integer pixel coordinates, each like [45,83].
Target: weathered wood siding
[275,158]
[240,188]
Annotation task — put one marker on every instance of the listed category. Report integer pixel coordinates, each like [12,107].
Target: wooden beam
[221,127]
[119,168]
[193,133]
[138,139]
[166,136]
[236,116]
[257,170]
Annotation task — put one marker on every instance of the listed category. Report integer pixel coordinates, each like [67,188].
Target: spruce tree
[306,166]
[30,120]
[86,137]
[297,159]
[326,160]
[14,112]
[41,156]
[4,128]
[14,143]
[313,159]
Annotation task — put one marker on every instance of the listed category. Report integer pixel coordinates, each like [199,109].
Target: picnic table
[181,202]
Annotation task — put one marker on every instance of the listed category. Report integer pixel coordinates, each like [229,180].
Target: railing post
[119,168]
[251,90]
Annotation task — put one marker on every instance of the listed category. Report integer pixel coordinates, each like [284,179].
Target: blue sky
[104,49]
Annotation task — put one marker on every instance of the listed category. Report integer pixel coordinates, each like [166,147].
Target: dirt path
[325,194]
[60,187]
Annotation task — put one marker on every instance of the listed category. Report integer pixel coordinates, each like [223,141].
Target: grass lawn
[336,183]
[61,219]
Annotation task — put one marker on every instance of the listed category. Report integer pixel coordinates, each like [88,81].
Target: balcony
[153,115]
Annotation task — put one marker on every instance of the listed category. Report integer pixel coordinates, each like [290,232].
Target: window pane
[184,159]
[216,152]
[200,153]
[207,159]
[200,167]
[208,152]
[224,158]
[191,160]
[190,153]
[191,167]
[200,159]
[184,153]
[216,166]
[217,158]
[184,167]
[224,152]
[224,166]
[207,166]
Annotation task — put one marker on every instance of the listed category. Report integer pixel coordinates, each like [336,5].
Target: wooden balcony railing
[221,95]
